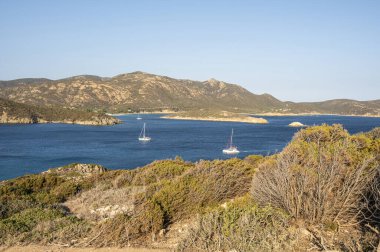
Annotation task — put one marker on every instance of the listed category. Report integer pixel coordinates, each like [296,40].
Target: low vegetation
[239,225]
[320,193]
[324,177]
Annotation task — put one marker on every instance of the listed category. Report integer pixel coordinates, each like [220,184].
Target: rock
[162,233]
[6,118]
[86,169]
[224,205]
[296,124]
[97,120]
[304,232]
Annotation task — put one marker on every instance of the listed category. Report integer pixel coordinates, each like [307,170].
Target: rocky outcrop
[85,169]
[296,124]
[13,120]
[100,121]
[96,121]
[5,118]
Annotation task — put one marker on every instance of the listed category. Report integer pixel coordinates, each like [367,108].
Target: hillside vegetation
[13,112]
[138,91]
[320,193]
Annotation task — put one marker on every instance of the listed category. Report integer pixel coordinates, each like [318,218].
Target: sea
[33,148]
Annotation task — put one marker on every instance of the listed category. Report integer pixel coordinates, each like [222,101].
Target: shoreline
[253,120]
[84,123]
[144,113]
[250,114]
[310,114]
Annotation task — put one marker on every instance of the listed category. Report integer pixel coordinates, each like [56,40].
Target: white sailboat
[142,136]
[138,117]
[231,149]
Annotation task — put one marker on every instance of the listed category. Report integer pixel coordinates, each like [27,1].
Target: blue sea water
[26,149]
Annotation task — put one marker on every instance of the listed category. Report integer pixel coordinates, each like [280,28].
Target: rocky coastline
[5,118]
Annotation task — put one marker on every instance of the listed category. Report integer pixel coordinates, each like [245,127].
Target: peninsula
[13,112]
[208,115]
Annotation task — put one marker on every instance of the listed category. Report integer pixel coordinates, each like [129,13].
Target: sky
[305,50]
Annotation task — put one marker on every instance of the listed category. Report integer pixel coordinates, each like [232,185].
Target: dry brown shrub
[372,203]
[128,230]
[240,226]
[320,177]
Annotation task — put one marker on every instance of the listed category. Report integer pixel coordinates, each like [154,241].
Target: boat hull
[144,139]
[231,152]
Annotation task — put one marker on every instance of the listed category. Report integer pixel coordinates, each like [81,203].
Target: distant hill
[14,112]
[140,91]
[25,81]
[338,106]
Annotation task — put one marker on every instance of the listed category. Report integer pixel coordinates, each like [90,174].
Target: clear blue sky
[306,50]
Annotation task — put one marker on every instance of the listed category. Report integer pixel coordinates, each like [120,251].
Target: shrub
[125,230]
[254,159]
[320,176]
[43,225]
[374,133]
[152,173]
[371,204]
[208,184]
[240,226]
[160,170]
[180,192]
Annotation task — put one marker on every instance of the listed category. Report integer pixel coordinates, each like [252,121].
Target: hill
[14,112]
[320,193]
[140,91]
[338,106]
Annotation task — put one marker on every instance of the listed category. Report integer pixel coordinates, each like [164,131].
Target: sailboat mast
[144,131]
[232,134]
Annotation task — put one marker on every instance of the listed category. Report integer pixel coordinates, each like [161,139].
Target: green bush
[37,225]
[208,184]
[175,190]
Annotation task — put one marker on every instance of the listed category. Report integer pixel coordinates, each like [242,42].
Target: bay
[26,149]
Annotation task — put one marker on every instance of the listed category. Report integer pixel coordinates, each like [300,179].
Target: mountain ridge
[139,91]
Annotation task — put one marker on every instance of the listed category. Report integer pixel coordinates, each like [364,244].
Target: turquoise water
[26,149]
